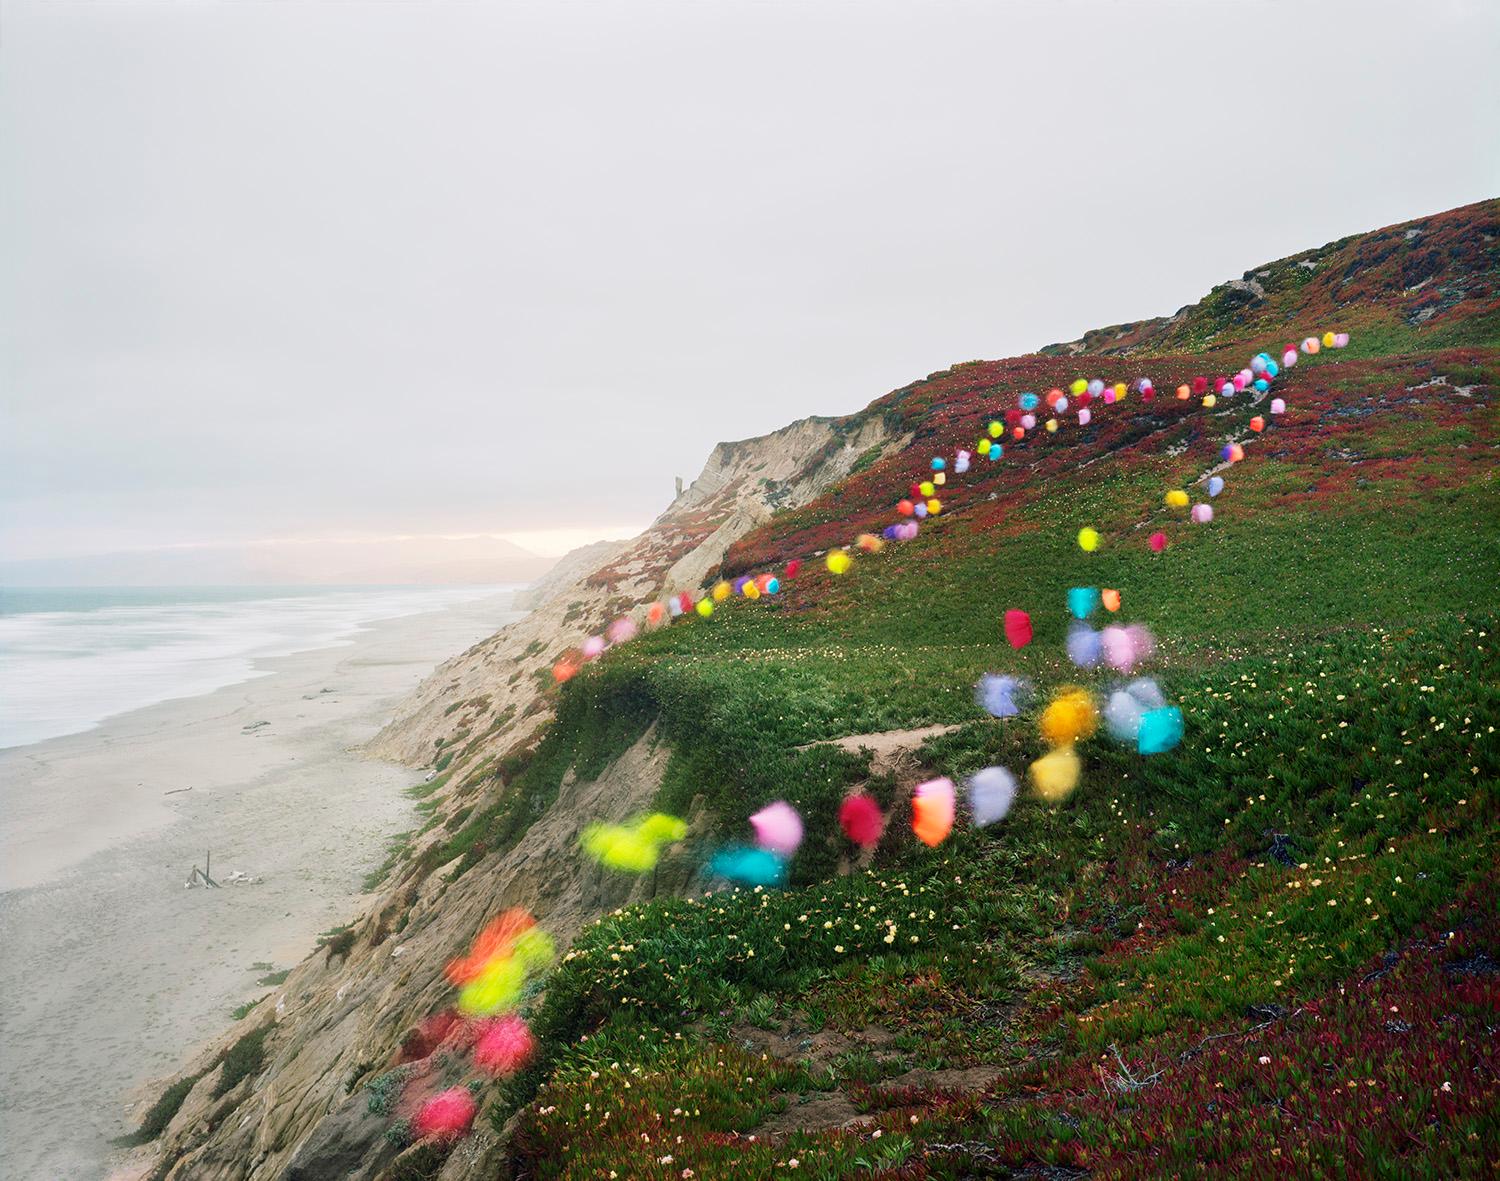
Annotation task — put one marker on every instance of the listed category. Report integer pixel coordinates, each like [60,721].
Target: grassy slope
[1273,949]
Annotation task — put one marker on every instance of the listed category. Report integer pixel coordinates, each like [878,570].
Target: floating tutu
[448,1115]
[505,1045]
[619,847]
[748,867]
[992,791]
[1084,646]
[1127,706]
[1161,729]
[634,847]
[1056,775]
[1083,601]
[932,811]
[1125,647]
[861,819]
[778,828]
[1017,628]
[499,984]
[1069,716]
[1001,696]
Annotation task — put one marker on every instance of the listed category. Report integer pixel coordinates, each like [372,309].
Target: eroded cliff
[287,1092]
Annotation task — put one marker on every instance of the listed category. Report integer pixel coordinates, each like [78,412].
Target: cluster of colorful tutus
[923,501]
[508,957]
[505,961]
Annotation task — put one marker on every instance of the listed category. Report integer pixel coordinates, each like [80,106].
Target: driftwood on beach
[199,877]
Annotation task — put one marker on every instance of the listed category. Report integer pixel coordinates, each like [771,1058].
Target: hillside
[1270,951]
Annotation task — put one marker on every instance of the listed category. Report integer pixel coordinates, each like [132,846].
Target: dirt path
[885,746]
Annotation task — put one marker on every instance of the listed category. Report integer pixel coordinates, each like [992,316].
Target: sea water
[72,656]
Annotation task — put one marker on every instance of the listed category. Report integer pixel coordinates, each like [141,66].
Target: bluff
[1054,994]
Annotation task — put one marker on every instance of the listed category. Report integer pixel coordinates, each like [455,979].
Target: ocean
[71,657]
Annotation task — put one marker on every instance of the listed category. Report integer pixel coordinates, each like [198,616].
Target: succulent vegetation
[1272,951]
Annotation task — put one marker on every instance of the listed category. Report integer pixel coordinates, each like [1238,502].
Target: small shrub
[422,1162]
[245,1057]
[337,942]
[161,1113]
[385,1089]
[399,1133]
[244,1010]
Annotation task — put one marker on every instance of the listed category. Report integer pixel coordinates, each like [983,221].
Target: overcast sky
[319,269]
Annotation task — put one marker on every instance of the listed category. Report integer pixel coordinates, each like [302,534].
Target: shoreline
[113,971]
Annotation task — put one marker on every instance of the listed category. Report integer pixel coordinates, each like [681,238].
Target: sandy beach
[112,971]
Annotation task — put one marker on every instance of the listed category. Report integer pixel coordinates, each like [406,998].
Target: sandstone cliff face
[487,700]
[348,1014]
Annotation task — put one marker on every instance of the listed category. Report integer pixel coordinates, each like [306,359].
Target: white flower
[1264,1061]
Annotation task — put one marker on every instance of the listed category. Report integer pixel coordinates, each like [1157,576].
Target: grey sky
[307,269]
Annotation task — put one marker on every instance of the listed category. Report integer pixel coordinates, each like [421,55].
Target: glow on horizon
[547,543]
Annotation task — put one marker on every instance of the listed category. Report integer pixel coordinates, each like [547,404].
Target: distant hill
[1404,286]
[403,561]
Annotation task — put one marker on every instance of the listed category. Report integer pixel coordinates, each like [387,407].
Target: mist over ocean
[70,657]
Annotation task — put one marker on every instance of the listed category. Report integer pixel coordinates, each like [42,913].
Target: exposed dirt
[814,1112]
[887,747]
